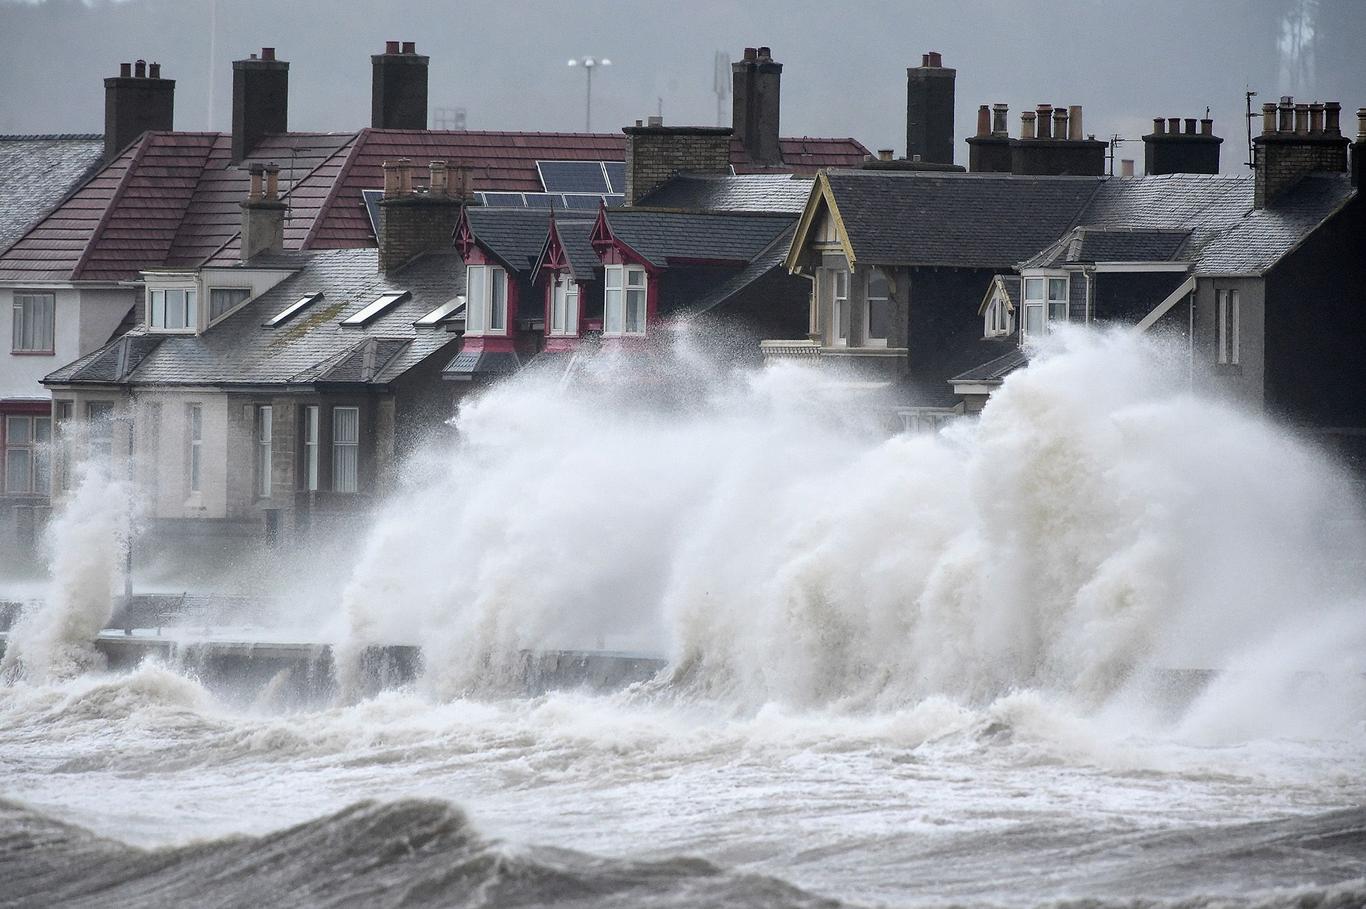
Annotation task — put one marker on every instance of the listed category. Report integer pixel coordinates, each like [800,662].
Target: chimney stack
[260,101]
[1290,148]
[1051,144]
[413,221]
[398,95]
[989,150]
[756,81]
[1359,150]
[655,153]
[263,213]
[1174,151]
[135,102]
[929,110]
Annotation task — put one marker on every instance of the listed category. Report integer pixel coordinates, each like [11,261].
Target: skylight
[442,311]
[291,310]
[374,309]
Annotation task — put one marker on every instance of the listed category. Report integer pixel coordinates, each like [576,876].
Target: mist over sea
[1102,647]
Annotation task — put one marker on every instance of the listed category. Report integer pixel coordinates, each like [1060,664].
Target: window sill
[33,353]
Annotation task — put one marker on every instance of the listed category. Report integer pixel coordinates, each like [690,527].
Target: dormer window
[1045,301]
[998,320]
[172,309]
[564,307]
[486,295]
[624,303]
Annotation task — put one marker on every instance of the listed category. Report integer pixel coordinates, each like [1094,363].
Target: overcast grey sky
[844,63]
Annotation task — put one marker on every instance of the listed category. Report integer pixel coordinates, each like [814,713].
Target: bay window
[345,449]
[624,300]
[28,458]
[172,308]
[877,313]
[34,320]
[486,300]
[1045,301]
[564,307]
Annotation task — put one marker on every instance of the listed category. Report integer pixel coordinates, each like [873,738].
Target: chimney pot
[1174,125]
[1332,111]
[257,172]
[1268,118]
[1361,124]
[1316,117]
[125,70]
[999,127]
[1074,123]
[391,47]
[765,54]
[751,54]
[439,178]
[1126,167]
[409,47]
[267,53]
[1027,124]
[1285,122]
[983,120]
[936,59]
[654,120]
[154,71]
[1159,126]
[1060,122]
[1190,126]
[885,154]
[1302,119]
[140,69]
[1207,127]
[1044,123]
[925,60]
[272,190]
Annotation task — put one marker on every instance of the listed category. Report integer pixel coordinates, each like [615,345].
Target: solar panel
[573,176]
[504,200]
[544,200]
[582,201]
[374,309]
[372,197]
[615,201]
[616,175]
[289,311]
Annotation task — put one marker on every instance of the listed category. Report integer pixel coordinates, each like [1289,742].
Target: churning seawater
[929,670]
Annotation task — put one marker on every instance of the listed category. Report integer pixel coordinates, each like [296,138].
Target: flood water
[920,671]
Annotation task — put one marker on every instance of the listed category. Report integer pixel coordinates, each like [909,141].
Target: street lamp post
[589,64]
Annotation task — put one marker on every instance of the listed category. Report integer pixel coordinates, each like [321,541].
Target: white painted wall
[83,321]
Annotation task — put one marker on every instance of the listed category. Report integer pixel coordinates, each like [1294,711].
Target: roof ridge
[49,137]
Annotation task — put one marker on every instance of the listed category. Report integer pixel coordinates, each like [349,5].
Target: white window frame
[486,300]
[35,323]
[345,449]
[36,449]
[62,414]
[839,306]
[310,434]
[160,306]
[238,304]
[99,417]
[999,320]
[1065,301]
[194,440]
[564,307]
[868,298]
[1036,293]
[1227,319]
[626,301]
[263,437]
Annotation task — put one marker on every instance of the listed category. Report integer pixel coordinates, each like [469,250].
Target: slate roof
[1089,245]
[515,235]
[310,348]
[172,198]
[37,172]
[666,238]
[783,193]
[768,259]
[954,219]
[993,371]
[575,236]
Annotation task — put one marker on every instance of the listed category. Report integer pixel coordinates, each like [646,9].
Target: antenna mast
[721,85]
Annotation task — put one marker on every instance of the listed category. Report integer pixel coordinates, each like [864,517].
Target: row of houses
[267,320]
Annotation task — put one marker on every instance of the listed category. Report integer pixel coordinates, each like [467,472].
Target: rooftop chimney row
[135,101]
[1298,139]
[1173,149]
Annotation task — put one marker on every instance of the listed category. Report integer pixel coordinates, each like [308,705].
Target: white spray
[1098,522]
[85,546]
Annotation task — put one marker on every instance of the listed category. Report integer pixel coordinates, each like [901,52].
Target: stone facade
[656,153]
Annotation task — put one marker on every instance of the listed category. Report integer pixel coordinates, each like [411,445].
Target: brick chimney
[1051,143]
[135,101]
[398,96]
[989,150]
[1290,148]
[655,152]
[929,110]
[1186,151]
[263,213]
[260,101]
[1359,150]
[756,81]
[413,221]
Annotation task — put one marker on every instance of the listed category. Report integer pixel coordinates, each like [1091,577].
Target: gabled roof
[309,349]
[572,235]
[37,172]
[1089,245]
[780,193]
[665,238]
[515,236]
[1008,286]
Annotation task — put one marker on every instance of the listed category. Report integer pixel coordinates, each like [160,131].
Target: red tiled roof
[173,199]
